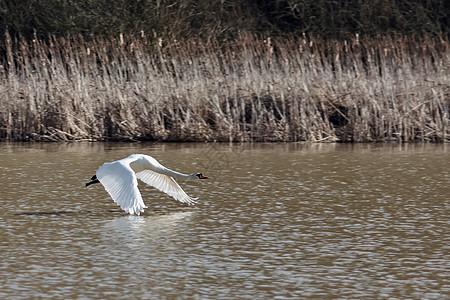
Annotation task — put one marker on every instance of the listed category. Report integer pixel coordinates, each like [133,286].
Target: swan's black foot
[93,180]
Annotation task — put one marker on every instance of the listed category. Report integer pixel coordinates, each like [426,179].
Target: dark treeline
[179,19]
[225,70]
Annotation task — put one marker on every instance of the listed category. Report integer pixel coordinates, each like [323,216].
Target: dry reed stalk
[245,90]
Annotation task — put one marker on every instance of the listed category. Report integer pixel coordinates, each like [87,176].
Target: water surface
[274,221]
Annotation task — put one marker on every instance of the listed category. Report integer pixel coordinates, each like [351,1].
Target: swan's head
[200,176]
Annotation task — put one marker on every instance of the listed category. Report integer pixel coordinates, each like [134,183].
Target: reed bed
[247,90]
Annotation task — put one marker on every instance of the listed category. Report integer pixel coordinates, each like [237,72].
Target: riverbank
[249,90]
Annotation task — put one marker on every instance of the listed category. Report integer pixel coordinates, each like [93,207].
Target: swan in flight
[120,180]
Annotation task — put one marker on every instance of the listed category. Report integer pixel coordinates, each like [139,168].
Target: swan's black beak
[200,176]
[93,180]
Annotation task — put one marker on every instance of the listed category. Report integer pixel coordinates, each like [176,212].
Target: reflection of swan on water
[136,245]
[120,180]
[133,227]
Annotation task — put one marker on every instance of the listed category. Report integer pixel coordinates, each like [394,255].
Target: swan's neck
[177,175]
[149,163]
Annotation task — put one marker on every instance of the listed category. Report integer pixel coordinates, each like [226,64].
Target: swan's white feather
[166,184]
[120,180]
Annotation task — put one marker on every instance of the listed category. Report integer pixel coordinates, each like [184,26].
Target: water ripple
[277,224]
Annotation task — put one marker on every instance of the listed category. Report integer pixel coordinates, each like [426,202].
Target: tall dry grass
[250,89]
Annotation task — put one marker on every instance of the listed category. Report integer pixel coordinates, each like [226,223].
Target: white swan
[120,180]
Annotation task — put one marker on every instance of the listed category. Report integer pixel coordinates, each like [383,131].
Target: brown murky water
[275,221]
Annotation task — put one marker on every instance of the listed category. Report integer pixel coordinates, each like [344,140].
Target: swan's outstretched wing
[121,183]
[165,184]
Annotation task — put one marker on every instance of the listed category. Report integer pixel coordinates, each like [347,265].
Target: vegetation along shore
[250,89]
